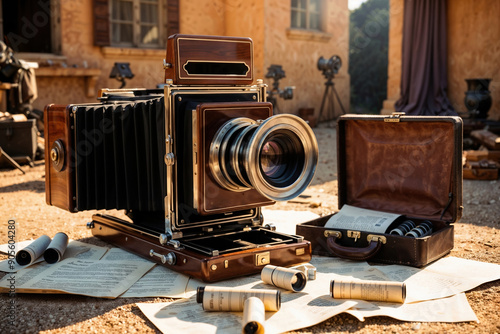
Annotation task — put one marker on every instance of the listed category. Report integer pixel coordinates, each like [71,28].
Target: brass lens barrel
[277,156]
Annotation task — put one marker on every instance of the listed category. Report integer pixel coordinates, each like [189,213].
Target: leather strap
[353,253]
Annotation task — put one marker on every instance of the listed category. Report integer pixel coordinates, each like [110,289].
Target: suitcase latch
[374,237]
[394,118]
[336,234]
[262,259]
[354,234]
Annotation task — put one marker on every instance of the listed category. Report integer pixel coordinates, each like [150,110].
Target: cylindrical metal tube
[33,251]
[56,248]
[383,291]
[286,278]
[254,316]
[214,298]
[403,228]
[423,229]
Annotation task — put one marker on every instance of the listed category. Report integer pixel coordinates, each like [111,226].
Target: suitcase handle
[353,253]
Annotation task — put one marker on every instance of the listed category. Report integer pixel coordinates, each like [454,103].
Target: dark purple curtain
[423,73]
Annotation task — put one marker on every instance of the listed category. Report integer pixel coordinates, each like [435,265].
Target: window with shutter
[306,14]
[135,23]
[30,26]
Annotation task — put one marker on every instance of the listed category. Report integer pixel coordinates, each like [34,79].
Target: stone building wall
[473,49]
[473,44]
[266,22]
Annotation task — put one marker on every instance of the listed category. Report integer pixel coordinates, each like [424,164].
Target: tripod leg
[338,99]
[325,95]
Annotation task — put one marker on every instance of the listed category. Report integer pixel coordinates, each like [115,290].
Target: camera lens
[281,159]
[277,156]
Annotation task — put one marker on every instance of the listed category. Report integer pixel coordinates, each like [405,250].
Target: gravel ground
[22,197]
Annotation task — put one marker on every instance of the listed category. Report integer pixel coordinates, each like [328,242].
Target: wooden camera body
[191,163]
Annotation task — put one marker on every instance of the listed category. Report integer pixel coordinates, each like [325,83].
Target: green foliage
[368,58]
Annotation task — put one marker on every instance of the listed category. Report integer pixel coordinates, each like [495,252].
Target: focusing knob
[171,259]
[57,155]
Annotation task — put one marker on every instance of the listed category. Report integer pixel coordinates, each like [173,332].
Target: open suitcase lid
[409,165]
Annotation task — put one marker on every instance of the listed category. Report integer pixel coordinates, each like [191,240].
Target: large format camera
[192,163]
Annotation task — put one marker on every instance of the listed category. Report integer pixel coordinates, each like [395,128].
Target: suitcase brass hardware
[262,259]
[354,234]
[300,251]
[213,267]
[374,237]
[226,264]
[394,118]
[333,234]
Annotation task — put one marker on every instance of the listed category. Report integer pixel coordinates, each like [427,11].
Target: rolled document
[383,291]
[286,278]
[254,316]
[214,298]
[33,251]
[56,249]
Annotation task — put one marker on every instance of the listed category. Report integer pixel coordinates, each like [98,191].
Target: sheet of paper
[160,282]
[75,249]
[4,248]
[443,278]
[187,316]
[118,254]
[358,219]
[450,309]
[105,279]
[314,304]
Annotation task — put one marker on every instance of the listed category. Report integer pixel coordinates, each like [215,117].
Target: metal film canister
[423,229]
[383,291]
[286,278]
[403,228]
[254,316]
[33,251]
[214,298]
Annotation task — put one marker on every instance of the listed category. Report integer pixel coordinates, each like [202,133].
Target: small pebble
[416,326]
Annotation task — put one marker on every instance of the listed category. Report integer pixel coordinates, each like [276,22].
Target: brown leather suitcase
[409,165]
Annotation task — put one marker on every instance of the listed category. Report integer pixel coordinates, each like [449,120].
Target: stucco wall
[78,48]
[473,49]
[396,8]
[298,53]
[266,22]
[473,43]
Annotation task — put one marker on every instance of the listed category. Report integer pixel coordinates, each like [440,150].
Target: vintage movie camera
[191,164]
